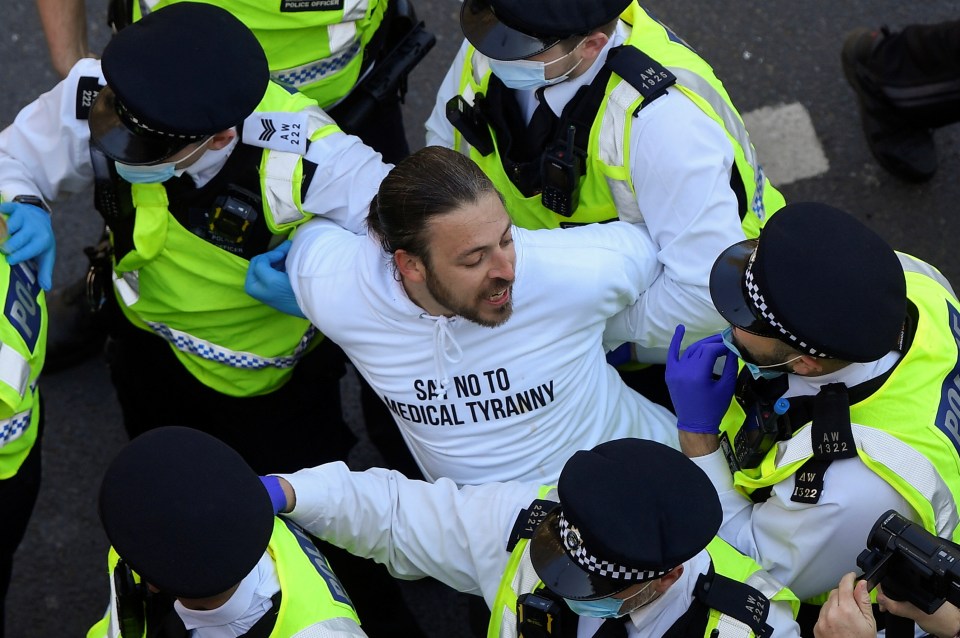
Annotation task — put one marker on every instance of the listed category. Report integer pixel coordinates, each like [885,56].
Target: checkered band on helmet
[761,305]
[573,544]
[137,126]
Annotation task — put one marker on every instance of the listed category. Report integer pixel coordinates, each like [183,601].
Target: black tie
[541,129]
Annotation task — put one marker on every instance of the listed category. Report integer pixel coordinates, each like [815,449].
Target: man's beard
[471,312]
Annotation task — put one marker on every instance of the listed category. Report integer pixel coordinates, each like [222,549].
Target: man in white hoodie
[484,340]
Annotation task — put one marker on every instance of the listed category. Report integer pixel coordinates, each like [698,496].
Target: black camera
[913,564]
[538,616]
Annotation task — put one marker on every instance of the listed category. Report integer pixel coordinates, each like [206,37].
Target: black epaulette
[735,599]
[650,78]
[87,90]
[528,520]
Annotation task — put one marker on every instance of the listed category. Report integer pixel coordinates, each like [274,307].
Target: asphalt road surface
[780,62]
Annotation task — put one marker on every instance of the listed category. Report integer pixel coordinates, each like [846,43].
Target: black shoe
[74,332]
[901,147]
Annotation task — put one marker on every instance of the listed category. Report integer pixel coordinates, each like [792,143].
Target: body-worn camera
[913,564]
[538,616]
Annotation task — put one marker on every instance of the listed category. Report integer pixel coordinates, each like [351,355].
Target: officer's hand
[699,399]
[30,236]
[267,281]
[943,623]
[847,612]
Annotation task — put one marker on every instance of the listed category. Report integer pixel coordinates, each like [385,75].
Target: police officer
[845,406]
[628,550]
[23,335]
[200,162]
[197,551]
[585,111]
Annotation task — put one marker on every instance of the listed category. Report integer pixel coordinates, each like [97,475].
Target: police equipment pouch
[911,563]
[560,172]
[471,124]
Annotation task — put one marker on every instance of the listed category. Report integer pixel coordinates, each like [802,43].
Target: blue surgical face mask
[608,607]
[757,372]
[528,75]
[153,173]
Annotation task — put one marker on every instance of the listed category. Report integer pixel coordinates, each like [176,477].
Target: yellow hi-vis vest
[312,599]
[23,343]
[907,431]
[519,577]
[191,293]
[312,46]
[606,189]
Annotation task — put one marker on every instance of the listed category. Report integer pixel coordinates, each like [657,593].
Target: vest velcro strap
[212,352]
[14,369]
[744,608]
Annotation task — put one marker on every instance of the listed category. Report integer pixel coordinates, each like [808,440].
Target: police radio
[764,425]
[560,175]
[913,564]
[131,616]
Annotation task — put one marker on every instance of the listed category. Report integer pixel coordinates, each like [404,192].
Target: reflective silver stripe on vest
[128,285]
[311,72]
[729,627]
[624,95]
[14,369]
[212,352]
[331,628]
[276,176]
[904,461]
[612,150]
[911,264]
[764,583]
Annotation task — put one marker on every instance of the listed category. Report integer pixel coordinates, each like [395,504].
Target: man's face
[763,351]
[558,60]
[469,269]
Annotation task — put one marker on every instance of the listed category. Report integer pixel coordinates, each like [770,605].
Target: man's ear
[410,266]
[807,366]
[593,45]
[667,580]
[221,139]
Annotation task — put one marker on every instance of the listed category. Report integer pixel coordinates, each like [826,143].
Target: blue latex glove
[267,281]
[277,498]
[699,399]
[31,235]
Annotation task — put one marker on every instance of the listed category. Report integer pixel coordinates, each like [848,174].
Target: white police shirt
[809,547]
[457,536]
[245,607]
[45,152]
[680,166]
[521,397]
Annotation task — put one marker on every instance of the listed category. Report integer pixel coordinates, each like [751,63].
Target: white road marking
[786,143]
